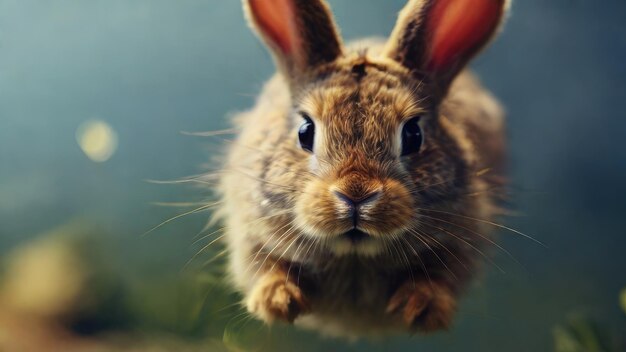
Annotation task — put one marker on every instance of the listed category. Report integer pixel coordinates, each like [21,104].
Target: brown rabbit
[355,197]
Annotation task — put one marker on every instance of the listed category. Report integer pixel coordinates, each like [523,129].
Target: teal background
[153,68]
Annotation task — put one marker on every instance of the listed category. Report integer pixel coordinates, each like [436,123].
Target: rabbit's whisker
[398,248]
[193,211]
[409,265]
[208,235]
[177,204]
[184,180]
[423,241]
[212,133]
[314,243]
[263,218]
[219,255]
[221,236]
[240,319]
[444,247]
[448,180]
[269,239]
[281,239]
[295,255]
[202,250]
[486,222]
[283,235]
[294,240]
[468,244]
[483,237]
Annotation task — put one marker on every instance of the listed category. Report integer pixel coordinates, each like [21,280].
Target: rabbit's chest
[354,285]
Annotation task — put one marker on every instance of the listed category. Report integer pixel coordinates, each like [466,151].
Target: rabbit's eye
[412,136]
[306,133]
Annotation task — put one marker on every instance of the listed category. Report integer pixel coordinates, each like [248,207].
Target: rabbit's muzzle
[356,211]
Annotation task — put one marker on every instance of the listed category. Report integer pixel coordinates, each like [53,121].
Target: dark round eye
[412,136]
[306,133]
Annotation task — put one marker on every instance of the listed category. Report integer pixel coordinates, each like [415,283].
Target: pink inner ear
[458,27]
[275,18]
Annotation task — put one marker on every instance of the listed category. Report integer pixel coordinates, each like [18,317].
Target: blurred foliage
[581,334]
[67,273]
[578,336]
[72,276]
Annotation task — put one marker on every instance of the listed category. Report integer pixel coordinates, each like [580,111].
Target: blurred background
[94,96]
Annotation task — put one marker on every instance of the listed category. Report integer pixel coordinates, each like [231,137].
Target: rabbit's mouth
[356,235]
[355,241]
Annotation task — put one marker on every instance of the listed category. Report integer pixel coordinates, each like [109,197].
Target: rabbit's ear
[437,38]
[300,33]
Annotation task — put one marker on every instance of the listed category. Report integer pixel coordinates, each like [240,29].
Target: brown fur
[284,223]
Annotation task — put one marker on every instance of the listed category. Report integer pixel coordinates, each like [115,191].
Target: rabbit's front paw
[423,305]
[276,297]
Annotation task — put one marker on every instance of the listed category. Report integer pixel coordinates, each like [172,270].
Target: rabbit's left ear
[300,33]
[437,38]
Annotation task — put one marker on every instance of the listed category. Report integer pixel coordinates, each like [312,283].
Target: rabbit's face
[365,149]
[371,151]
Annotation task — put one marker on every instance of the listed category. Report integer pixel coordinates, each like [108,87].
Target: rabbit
[358,194]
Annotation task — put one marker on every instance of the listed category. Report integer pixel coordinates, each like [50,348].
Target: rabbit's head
[364,146]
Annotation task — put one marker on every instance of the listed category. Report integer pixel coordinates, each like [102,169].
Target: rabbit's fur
[285,226]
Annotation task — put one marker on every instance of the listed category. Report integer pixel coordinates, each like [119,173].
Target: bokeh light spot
[97,140]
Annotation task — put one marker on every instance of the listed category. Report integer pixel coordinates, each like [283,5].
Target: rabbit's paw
[277,298]
[423,305]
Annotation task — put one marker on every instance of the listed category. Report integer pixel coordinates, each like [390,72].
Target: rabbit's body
[299,253]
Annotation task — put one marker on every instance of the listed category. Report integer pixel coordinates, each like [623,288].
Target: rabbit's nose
[354,204]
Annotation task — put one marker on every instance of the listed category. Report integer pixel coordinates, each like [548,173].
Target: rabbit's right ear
[300,33]
[437,38]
